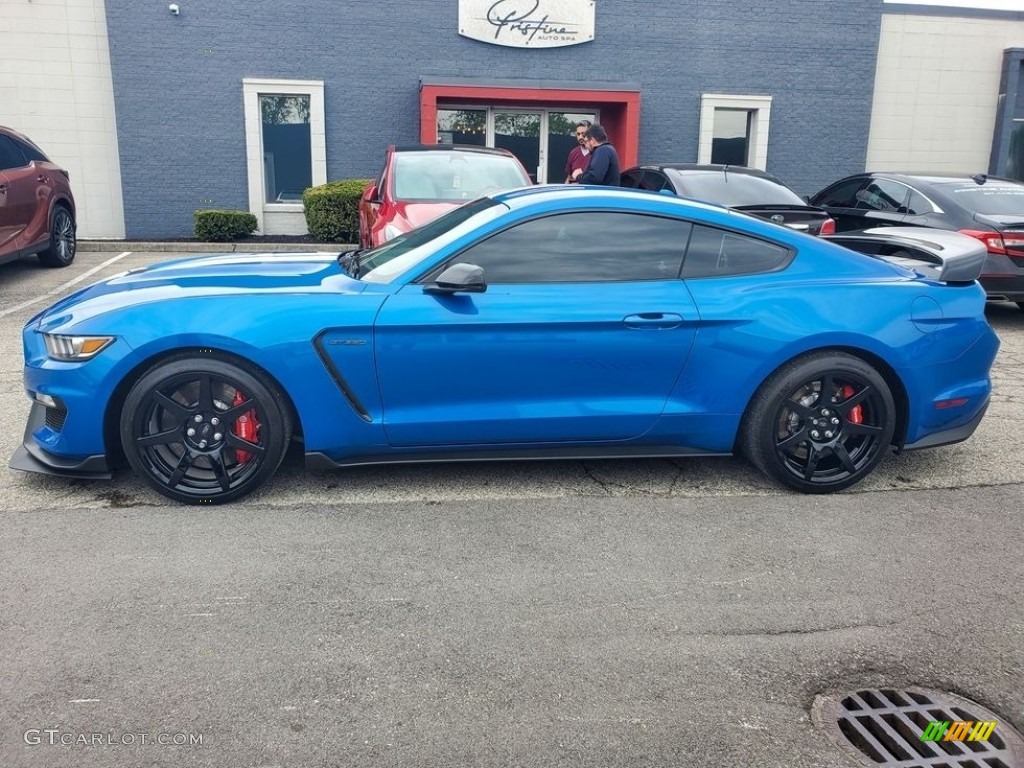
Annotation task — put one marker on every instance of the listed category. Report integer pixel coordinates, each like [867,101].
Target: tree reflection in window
[287,147]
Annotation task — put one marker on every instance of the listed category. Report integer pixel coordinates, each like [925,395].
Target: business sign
[527,23]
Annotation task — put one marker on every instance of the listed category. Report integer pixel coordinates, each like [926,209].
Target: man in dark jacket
[604,160]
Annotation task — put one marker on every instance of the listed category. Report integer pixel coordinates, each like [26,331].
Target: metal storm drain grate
[918,729]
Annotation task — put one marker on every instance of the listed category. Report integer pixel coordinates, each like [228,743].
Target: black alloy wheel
[61,251]
[204,430]
[821,423]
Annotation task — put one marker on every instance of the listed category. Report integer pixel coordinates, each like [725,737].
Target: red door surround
[620,110]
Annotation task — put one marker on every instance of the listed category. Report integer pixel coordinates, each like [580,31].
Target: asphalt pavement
[615,613]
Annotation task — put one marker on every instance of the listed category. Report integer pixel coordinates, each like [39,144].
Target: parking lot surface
[642,614]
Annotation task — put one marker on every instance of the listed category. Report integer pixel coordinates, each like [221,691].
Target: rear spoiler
[938,253]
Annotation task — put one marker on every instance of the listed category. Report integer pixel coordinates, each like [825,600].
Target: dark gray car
[733,186]
[988,208]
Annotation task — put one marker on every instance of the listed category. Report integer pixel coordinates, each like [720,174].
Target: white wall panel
[56,88]
[936,92]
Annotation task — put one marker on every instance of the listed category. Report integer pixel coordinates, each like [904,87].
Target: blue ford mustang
[549,322]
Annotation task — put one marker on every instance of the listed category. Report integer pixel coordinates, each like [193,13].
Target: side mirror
[458,278]
[372,194]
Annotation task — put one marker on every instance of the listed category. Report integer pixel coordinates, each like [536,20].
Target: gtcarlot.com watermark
[56,737]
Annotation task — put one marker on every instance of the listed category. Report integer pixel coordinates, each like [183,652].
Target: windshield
[440,175]
[995,198]
[734,189]
[384,262]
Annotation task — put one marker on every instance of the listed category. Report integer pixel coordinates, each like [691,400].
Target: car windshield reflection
[439,176]
[384,263]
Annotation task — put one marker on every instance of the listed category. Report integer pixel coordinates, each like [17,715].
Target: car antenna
[979,178]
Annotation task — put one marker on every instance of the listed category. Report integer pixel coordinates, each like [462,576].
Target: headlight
[391,232]
[74,348]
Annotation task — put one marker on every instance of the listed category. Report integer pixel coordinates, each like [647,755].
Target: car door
[17,196]
[863,202]
[582,332]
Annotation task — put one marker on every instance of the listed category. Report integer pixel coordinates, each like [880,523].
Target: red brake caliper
[246,427]
[857,412]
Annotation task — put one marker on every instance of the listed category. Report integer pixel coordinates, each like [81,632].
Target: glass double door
[540,138]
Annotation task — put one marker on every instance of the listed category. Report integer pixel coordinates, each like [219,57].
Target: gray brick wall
[179,110]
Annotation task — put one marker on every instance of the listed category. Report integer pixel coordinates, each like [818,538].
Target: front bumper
[32,457]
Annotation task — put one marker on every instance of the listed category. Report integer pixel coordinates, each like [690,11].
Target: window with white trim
[285,141]
[734,129]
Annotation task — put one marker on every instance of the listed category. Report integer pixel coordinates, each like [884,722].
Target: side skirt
[315,460]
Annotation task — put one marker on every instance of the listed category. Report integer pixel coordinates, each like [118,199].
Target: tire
[816,446]
[61,250]
[209,396]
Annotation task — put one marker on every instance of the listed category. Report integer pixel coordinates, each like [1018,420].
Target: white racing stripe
[61,288]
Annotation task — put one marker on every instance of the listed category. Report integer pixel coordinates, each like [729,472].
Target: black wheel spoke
[172,406]
[812,463]
[854,400]
[793,440]
[242,444]
[844,457]
[234,412]
[217,462]
[180,470]
[861,429]
[160,438]
[828,388]
[205,402]
[799,409]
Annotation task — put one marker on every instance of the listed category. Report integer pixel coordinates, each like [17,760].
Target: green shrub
[332,210]
[224,225]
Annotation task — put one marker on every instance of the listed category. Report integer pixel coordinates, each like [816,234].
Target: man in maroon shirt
[579,156]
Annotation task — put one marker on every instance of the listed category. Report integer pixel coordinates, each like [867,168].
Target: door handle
[653,321]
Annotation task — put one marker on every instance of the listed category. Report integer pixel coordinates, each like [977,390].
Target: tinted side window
[655,182]
[30,153]
[583,247]
[918,204]
[10,155]
[884,195]
[841,195]
[717,253]
[631,179]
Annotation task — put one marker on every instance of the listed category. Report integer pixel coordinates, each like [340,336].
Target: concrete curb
[118,246]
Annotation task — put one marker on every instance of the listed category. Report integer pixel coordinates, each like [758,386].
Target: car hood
[224,274]
[412,215]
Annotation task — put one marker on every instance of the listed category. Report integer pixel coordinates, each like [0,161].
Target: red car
[37,209]
[422,181]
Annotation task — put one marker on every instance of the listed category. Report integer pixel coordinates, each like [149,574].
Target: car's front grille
[55,418]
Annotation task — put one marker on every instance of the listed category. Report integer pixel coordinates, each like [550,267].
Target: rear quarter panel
[828,299]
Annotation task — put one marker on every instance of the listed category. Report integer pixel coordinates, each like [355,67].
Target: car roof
[704,168]
[21,137]
[595,194]
[935,177]
[451,148]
